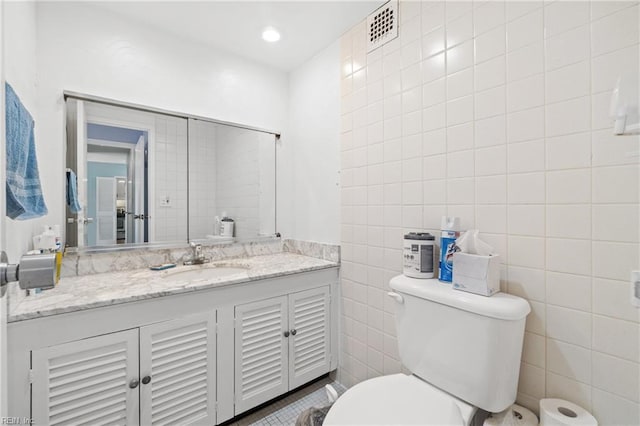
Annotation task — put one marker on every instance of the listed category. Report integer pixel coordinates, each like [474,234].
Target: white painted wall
[19,30]
[310,189]
[3,300]
[92,51]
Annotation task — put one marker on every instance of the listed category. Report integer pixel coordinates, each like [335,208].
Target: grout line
[591,192]
[506,149]
[446,97]
[546,197]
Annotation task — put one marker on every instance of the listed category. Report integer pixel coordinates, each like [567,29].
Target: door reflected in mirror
[116,180]
[128,162]
[148,177]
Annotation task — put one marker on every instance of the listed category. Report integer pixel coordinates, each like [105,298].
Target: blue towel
[24,194]
[72,192]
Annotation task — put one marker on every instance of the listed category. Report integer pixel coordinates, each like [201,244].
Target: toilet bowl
[462,349]
[398,399]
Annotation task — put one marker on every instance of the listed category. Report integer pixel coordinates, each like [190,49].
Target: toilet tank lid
[500,305]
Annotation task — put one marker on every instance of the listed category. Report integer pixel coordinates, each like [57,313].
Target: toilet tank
[465,344]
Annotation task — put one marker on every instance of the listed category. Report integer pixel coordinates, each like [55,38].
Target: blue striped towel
[72,192]
[24,193]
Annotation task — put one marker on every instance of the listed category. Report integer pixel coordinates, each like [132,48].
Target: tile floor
[287,410]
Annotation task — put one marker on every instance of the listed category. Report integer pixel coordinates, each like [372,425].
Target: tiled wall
[202,178]
[170,179]
[231,170]
[245,177]
[497,112]
[238,178]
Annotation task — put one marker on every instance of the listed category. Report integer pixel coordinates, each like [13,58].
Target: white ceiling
[306,26]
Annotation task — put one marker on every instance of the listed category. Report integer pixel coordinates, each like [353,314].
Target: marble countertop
[98,290]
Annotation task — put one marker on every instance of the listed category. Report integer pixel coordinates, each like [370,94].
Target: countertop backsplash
[79,264]
[330,252]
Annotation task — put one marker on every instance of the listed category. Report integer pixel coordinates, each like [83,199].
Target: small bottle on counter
[449,231]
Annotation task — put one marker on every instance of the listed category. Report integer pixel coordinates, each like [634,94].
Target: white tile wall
[231,170]
[202,178]
[497,112]
[170,178]
[237,171]
[245,180]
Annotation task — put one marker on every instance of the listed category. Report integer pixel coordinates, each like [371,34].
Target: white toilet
[463,350]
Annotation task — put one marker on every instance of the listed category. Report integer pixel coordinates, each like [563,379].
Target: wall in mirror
[149,177]
[231,178]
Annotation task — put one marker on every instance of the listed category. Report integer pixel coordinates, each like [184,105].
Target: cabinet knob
[286,333]
[294,331]
[146,380]
[134,383]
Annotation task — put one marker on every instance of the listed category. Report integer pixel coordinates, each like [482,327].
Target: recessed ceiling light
[271,35]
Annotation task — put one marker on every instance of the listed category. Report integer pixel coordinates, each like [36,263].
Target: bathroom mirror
[148,177]
[232,175]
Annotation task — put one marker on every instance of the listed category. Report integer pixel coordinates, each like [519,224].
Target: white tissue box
[476,274]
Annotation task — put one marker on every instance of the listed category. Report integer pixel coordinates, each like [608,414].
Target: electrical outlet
[165,201]
[635,288]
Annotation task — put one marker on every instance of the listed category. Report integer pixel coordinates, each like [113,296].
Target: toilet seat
[398,399]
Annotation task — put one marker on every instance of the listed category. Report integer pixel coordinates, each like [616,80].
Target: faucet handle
[192,244]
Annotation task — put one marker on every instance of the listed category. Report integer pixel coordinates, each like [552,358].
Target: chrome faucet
[197,257]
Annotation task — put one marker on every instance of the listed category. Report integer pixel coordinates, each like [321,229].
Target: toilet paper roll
[558,412]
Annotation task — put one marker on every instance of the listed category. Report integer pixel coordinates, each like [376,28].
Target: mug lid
[419,236]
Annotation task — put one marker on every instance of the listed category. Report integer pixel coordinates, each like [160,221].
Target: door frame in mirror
[149,128]
[97,118]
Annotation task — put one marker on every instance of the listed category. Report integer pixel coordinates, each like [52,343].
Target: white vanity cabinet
[196,357]
[178,371]
[280,344]
[310,335]
[260,356]
[160,374]
[87,381]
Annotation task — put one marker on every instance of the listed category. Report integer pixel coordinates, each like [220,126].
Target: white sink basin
[205,273]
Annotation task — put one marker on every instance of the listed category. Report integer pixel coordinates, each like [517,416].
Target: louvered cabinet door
[310,347]
[87,381]
[260,352]
[179,359]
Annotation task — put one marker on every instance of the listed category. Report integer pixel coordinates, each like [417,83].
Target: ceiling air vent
[382,25]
